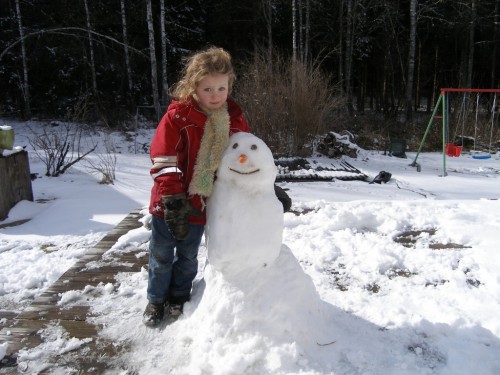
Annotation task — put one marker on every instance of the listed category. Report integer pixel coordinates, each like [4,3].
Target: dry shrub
[82,108]
[60,147]
[106,161]
[287,103]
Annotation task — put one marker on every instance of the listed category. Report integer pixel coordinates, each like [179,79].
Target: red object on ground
[452,150]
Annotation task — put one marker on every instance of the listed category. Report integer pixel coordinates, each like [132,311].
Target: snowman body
[244,216]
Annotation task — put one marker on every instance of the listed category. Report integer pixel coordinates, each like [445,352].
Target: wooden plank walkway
[21,331]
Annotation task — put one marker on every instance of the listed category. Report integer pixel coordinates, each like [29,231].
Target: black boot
[153,314]
[175,309]
[175,305]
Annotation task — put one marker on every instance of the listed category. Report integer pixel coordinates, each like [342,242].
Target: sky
[395,278]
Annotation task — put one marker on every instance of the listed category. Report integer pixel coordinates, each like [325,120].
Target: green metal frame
[443,116]
[441,101]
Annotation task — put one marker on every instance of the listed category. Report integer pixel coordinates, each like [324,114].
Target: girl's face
[212,91]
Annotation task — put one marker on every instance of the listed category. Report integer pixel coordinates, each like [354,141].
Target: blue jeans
[171,278]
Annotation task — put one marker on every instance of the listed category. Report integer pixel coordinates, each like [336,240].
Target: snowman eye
[235,146]
[253,147]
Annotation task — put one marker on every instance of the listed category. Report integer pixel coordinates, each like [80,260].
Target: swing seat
[452,150]
[486,156]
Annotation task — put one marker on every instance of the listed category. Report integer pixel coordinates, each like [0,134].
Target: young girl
[186,151]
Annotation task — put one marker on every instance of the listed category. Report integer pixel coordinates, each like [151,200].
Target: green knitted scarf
[213,143]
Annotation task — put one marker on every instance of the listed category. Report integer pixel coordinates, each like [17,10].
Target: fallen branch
[328,343]
[413,191]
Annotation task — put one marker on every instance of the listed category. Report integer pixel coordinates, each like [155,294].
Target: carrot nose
[243,158]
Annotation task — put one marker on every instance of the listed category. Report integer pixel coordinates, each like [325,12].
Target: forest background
[305,67]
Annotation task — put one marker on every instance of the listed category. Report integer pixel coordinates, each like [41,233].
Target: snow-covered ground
[403,277]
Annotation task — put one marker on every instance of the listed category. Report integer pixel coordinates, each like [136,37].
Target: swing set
[450,148]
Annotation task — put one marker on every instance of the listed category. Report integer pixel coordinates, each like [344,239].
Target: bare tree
[301,29]
[340,60]
[152,56]
[495,46]
[294,30]
[66,31]
[164,81]
[91,50]
[411,61]
[472,29]
[125,46]
[348,66]
[25,82]
[267,10]
[307,32]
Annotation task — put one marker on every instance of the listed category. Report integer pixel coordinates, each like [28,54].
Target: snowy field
[396,278]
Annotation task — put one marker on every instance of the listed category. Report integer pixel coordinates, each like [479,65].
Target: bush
[287,103]
[105,165]
[59,147]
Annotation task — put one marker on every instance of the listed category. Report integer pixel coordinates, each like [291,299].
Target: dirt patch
[409,239]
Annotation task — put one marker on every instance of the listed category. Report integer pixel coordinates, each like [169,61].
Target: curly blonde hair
[209,61]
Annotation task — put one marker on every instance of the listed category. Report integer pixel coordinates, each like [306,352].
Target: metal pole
[414,163]
[492,121]
[445,119]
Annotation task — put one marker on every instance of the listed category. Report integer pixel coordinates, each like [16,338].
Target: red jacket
[174,149]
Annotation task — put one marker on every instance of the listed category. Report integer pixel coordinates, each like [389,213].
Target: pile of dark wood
[336,145]
[303,170]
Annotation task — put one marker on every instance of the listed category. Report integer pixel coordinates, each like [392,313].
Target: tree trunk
[385,95]
[360,106]
[430,103]
[152,56]
[495,47]
[418,83]
[268,16]
[340,61]
[411,61]
[91,51]
[25,84]
[307,32]
[348,56]
[300,44]
[125,48]
[164,80]
[294,30]
[472,30]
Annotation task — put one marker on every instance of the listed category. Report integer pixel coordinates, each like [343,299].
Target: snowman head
[247,161]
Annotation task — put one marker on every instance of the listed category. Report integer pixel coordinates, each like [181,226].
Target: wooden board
[21,331]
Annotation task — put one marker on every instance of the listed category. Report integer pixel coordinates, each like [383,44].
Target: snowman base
[278,301]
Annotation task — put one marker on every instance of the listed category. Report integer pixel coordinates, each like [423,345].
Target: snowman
[255,310]
[244,217]
[254,291]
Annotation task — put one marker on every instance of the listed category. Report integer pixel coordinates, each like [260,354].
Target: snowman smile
[240,172]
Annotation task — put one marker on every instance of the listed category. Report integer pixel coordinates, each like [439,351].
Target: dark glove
[176,213]
[283,197]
